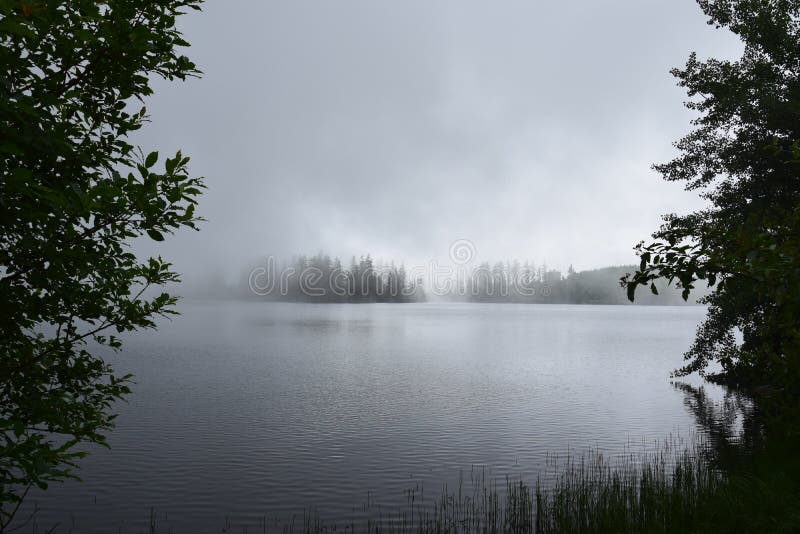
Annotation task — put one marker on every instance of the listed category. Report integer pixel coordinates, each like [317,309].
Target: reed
[661,491]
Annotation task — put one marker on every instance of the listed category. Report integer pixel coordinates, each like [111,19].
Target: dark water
[244,410]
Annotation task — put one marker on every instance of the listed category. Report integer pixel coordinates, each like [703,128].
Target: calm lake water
[246,409]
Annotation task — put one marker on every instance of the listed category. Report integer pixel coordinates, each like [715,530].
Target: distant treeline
[515,282]
[322,278]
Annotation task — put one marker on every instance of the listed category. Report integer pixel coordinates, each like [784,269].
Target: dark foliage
[73,193]
[743,156]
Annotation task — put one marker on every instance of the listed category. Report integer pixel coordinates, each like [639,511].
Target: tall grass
[637,492]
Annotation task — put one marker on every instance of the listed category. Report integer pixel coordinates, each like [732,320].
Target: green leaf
[170,165]
[155,235]
[151,159]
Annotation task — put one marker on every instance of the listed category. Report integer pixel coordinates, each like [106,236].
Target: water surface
[247,409]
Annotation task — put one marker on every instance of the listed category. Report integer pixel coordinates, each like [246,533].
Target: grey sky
[396,127]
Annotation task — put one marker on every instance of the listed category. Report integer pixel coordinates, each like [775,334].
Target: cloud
[396,128]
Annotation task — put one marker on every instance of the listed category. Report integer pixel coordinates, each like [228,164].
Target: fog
[396,128]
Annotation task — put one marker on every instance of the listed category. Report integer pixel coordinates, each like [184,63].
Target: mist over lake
[399,267]
[251,409]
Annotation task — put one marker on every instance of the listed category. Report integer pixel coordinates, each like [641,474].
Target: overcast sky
[396,128]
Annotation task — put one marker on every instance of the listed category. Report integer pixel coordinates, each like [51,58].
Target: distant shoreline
[436,301]
[321,280]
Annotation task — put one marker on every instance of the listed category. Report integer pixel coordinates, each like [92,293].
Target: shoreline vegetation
[323,279]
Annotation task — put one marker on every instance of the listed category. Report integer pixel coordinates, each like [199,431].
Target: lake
[247,409]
